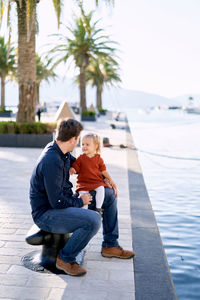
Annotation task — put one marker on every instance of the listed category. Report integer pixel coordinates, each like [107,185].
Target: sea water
[168,143]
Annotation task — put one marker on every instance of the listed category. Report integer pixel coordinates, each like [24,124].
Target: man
[55,209]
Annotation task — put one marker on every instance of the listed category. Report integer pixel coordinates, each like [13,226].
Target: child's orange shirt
[89,172]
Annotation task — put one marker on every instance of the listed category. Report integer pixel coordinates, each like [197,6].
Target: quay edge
[153,279]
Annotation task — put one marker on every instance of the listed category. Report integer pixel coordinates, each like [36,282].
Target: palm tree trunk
[82,83]
[26,65]
[38,94]
[2,92]
[99,98]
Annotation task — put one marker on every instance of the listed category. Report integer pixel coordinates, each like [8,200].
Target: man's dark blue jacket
[50,187]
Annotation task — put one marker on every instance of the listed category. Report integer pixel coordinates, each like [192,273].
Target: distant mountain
[120,98]
[114,98]
[184,99]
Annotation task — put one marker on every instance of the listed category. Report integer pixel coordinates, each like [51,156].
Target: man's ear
[73,140]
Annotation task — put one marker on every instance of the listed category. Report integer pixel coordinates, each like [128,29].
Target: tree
[190,99]
[26,15]
[100,72]
[44,71]
[87,42]
[7,66]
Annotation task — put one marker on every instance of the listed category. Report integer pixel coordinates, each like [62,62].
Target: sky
[159,41]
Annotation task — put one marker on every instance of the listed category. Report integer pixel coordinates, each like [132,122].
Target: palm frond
[109,2]
[44,70]
[1,10]
[57,6]
[7,58]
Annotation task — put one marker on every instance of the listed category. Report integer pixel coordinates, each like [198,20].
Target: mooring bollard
[45,260]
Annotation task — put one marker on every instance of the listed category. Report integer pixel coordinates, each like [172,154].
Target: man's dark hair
[66,129]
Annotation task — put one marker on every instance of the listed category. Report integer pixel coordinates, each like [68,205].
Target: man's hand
[72,171]
[87,198]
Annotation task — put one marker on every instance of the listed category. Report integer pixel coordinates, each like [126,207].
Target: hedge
[5,110]
[12,127]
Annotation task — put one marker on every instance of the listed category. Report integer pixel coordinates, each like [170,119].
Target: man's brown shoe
[72,269]
[117,252]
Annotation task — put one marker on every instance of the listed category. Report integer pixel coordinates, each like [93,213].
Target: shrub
[88,113]
[3,127]
[11,127]
[102,110]
[5,110]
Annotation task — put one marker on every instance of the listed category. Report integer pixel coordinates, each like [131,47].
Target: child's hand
[112,183]
[72,171]
[107,182]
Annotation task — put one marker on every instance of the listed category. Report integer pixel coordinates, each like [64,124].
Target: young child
[91,169]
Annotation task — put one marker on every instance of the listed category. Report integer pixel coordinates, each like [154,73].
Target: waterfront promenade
[106,278]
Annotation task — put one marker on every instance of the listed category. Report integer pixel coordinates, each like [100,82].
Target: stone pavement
[106,278]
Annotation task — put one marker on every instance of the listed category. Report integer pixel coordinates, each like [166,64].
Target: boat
[192,108]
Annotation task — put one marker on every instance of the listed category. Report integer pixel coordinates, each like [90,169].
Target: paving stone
[5,237]
[56,294]
[95,248]
[7,231]
[119,296]
[123,231]
[97,274]
[108,285]
[96,256]
[13,279]
[111,264]
[2,244]
[21,232]
[12,251]
[84,294]
[52,281]
[24,293]
[4,268]
[125,237]
[7,298]
[21,216]
[18,245]
[118,275]
[10,259]
[17,225]
[21,270]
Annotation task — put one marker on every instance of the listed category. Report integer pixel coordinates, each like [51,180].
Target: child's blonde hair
[96,140]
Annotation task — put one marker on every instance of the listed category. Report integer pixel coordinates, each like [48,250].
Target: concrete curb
[153,279]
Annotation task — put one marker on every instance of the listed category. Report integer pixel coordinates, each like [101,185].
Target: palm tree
[44,71]
[86,42]
[26,15]
[7,66]
[102,71]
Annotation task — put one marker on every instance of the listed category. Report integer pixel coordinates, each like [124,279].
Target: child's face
[88,146]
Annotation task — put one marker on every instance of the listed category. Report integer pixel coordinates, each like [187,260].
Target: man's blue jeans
[84,224]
